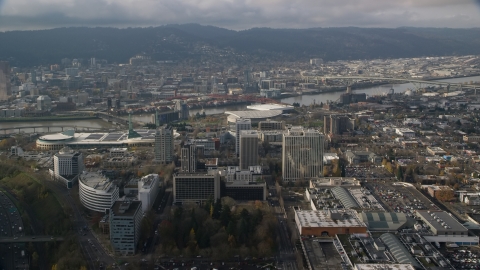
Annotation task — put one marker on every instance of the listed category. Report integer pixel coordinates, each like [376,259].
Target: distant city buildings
[5,87]
[44,103]
[302,154]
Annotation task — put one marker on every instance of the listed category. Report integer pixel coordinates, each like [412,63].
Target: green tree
[225,215]
[35,258]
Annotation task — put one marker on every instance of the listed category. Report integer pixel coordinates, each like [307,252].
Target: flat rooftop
[440,219]
[125,208]
[323,218]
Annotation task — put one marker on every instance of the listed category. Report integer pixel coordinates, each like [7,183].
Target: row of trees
[219,230]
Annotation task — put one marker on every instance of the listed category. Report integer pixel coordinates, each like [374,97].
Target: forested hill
[176,42]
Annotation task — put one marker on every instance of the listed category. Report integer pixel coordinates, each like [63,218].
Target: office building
[248,148]
[337,124]
[349,98]
[188,158]
[125,221]
[44,103]
[164,144]
[67,165]
[241,124]
[302,154]
[5,87]
[148,188]
[195,188]
[271,125]
[250,191]
[236,174]
[96,191]
[182,109]
[72,72]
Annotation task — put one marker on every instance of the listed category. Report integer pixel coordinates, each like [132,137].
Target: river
[377,90]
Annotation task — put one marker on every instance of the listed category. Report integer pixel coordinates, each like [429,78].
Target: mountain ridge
[181,41]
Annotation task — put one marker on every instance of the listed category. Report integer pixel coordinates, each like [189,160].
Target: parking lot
[398,198]
[371,172]
[464,258]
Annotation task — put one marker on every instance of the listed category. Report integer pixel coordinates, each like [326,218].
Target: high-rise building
[241,124]
[302,154]
[188,158]
[125,220]
[5,88]
[337,124]
[148,188]
[182,108]
[164,144]
[44,103]
[196,188]
[248,148]
[67,165]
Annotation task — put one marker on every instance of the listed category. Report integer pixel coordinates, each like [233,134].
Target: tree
[35,258]
[225,215]
[389,167]
[399,173]
[445,195]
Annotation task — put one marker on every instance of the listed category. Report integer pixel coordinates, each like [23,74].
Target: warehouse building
[398,250]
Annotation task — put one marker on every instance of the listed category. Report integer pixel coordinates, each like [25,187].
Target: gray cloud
[239,14]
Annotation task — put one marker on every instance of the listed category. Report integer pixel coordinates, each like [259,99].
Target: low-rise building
[246,191]
[471,138]
[196,188]
[329,222]
[440,192]
[235,174]
[357,157]
[436,151]
[405,132]
[120,162]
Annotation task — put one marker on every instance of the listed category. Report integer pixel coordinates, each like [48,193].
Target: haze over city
[239,15]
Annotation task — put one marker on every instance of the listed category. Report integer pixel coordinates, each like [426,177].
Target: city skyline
[238,15]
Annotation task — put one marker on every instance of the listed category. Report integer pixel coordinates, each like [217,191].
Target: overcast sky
[239,14]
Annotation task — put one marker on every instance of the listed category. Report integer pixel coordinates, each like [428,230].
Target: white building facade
[302,154]
[97,192]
